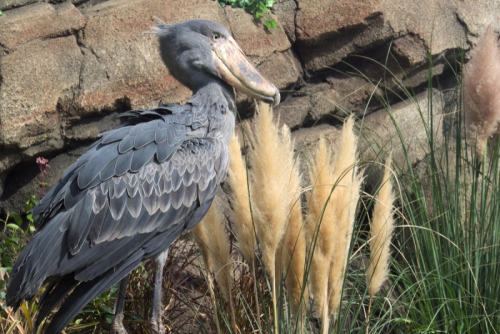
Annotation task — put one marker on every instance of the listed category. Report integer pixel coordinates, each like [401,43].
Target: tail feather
[35,264]
[87,291]
[53,296]
[46,255]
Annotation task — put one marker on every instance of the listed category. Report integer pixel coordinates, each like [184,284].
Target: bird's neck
[217,101]
[215,88]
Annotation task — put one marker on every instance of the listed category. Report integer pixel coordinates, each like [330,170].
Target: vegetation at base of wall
[259,8]
[16,232]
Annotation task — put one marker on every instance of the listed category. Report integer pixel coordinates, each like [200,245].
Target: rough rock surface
[402,130]
[67,66]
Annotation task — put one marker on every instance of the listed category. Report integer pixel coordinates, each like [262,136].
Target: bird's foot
[118,327]
[157,326]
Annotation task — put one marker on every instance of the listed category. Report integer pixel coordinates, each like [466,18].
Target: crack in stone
[466,29]
[295,21]
[59,34]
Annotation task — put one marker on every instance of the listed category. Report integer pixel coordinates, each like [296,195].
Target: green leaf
[403,320]
[259,15]
[1,13]
[6,260]
[238,4]
[263,8]
[271,24]
[107,309]
[2,284]
[270,3]
[31,228]
[14,227]
[17,218]
[14,240]
[30,217]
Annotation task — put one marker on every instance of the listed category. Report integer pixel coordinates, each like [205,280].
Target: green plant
[15,235]
[452,244]
[98,313]
[259,8]
[448,241]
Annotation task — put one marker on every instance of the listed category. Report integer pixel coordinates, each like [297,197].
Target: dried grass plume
[382,226]
[482,90]
[272,162]
[210,236]
[331,212]
[320,222]
[293,252]
[346,197]
[240,202]
[273,174]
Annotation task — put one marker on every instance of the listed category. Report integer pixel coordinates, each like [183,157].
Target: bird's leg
[118,327]
[156,321]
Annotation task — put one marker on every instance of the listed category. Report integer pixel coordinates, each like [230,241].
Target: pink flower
[43,164]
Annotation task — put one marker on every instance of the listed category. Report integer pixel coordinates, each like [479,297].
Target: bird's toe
[118,327]
[157,327]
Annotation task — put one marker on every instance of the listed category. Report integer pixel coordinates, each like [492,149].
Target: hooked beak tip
[277,98]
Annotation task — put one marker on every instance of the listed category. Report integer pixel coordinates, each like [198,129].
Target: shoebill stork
[140,185]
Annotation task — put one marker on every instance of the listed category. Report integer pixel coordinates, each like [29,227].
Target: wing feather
[80,223]
[126,144]
[117,206]
[108,171]
[101,158]
[144,138]
[115,134]
[142,157]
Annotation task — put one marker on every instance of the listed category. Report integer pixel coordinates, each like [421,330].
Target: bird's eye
[215,36]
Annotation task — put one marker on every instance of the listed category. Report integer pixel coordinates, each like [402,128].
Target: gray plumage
[137,188]
[153,187]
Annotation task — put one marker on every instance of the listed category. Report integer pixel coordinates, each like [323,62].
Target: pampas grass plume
[293,252]
[272,162]
[240,203]
[381,233]
[345,198]
[330,221]
[319,222]
[481,90]
[271,165]
[210,236]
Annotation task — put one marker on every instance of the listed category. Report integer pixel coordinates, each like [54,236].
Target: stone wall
[67,67]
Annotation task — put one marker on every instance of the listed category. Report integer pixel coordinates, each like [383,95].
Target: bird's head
[198,52]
